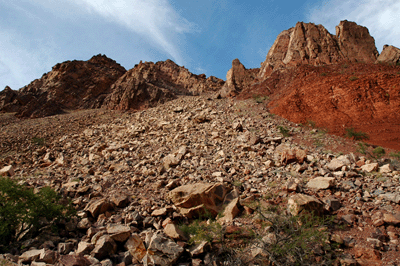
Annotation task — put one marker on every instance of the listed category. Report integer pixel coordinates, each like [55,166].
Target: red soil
[363,96]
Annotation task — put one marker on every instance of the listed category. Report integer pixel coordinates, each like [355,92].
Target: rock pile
[137,178]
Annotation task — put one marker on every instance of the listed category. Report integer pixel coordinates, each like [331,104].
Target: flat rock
[321,183]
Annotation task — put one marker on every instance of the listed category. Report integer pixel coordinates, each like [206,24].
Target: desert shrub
[395,155]
[295,240]
[284,131]
[38,141]
[260,98]
[356,135]
[353,78]
[311,123]
[379,152]
[21,210]
[323,74]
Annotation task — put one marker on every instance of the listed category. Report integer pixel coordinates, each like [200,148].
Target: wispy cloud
[381,17]
[155,20]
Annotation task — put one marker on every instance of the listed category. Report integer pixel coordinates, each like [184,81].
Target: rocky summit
[158,166]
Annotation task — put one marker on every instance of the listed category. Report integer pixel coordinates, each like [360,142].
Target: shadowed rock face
[307,43]
[69,85]
[149,84]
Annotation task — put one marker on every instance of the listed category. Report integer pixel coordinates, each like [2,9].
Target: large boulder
[196,199]
[389,55]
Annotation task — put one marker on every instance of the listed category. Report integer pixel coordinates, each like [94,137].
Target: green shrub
[356,135]
[379,152]
[260,98]
[284,131]
[323,74]
[395,155]
[38,141]
[21,210]
[353,78]
[295,240]
[311,123]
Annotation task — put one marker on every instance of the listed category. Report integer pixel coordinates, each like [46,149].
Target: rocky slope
[149,84]
[312,75]
[135,178]
[69,85]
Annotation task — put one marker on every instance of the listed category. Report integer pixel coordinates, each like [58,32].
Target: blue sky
[204,36]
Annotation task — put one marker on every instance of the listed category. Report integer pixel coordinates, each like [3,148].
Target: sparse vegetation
[294,240]
[379,152]
[353,78]
[356,135]
[284,131]
[362,148]
[311,123]
[260,98]
[22,211]
[395,155]
[38,141]
[323,74]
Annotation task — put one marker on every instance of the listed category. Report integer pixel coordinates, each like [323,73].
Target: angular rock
[393,219]
[136,247]
[173,231]
[321,183]
[387,168]
[30,255]
[7,171]
[118,232]
[198,198]
[299,202]
[73,260]
[98,206]
[370,167]
[105,246]
[163,251]
[84,248]
[389,55]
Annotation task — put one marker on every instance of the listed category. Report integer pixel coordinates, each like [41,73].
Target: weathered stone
[393,197]
[321,183]
[370,167]
[73,260]
[300,202]
[393,219]
[387,168]
[136,247]
[98,206]
[48,256]
[336,164]
[105,246]
[65,248]
[163,251]
[159,212]
[7,171]
[173,231]
[84,248]
[118,232]
[198,198]
[200,248]
[30,255]
[389,55]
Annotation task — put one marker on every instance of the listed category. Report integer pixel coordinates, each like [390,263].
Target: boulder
[173,231]
[7,171]
[299,202]
[196,199]
[389,55]
[118,232]
[98,206]
[136,247]
[105,246]
[321,183]
[371,167]
[162,250]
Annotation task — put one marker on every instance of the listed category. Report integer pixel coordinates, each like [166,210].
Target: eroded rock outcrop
[390,55]
[149,84]
[307,43]
[238,78]
[69,85]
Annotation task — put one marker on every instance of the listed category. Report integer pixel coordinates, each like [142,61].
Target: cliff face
[308,43]
[69,85]
[149,84]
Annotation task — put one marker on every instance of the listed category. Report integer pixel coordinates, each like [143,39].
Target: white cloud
[152,19]
[381,17]
[18,63]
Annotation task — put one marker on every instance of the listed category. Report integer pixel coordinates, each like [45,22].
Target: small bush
[21,210]
[395,155]
[323,74]
[260,98]
[356,135]
[353,78]
[311,123]
[284,131]
[295,240]
[379,152]
[38,141]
